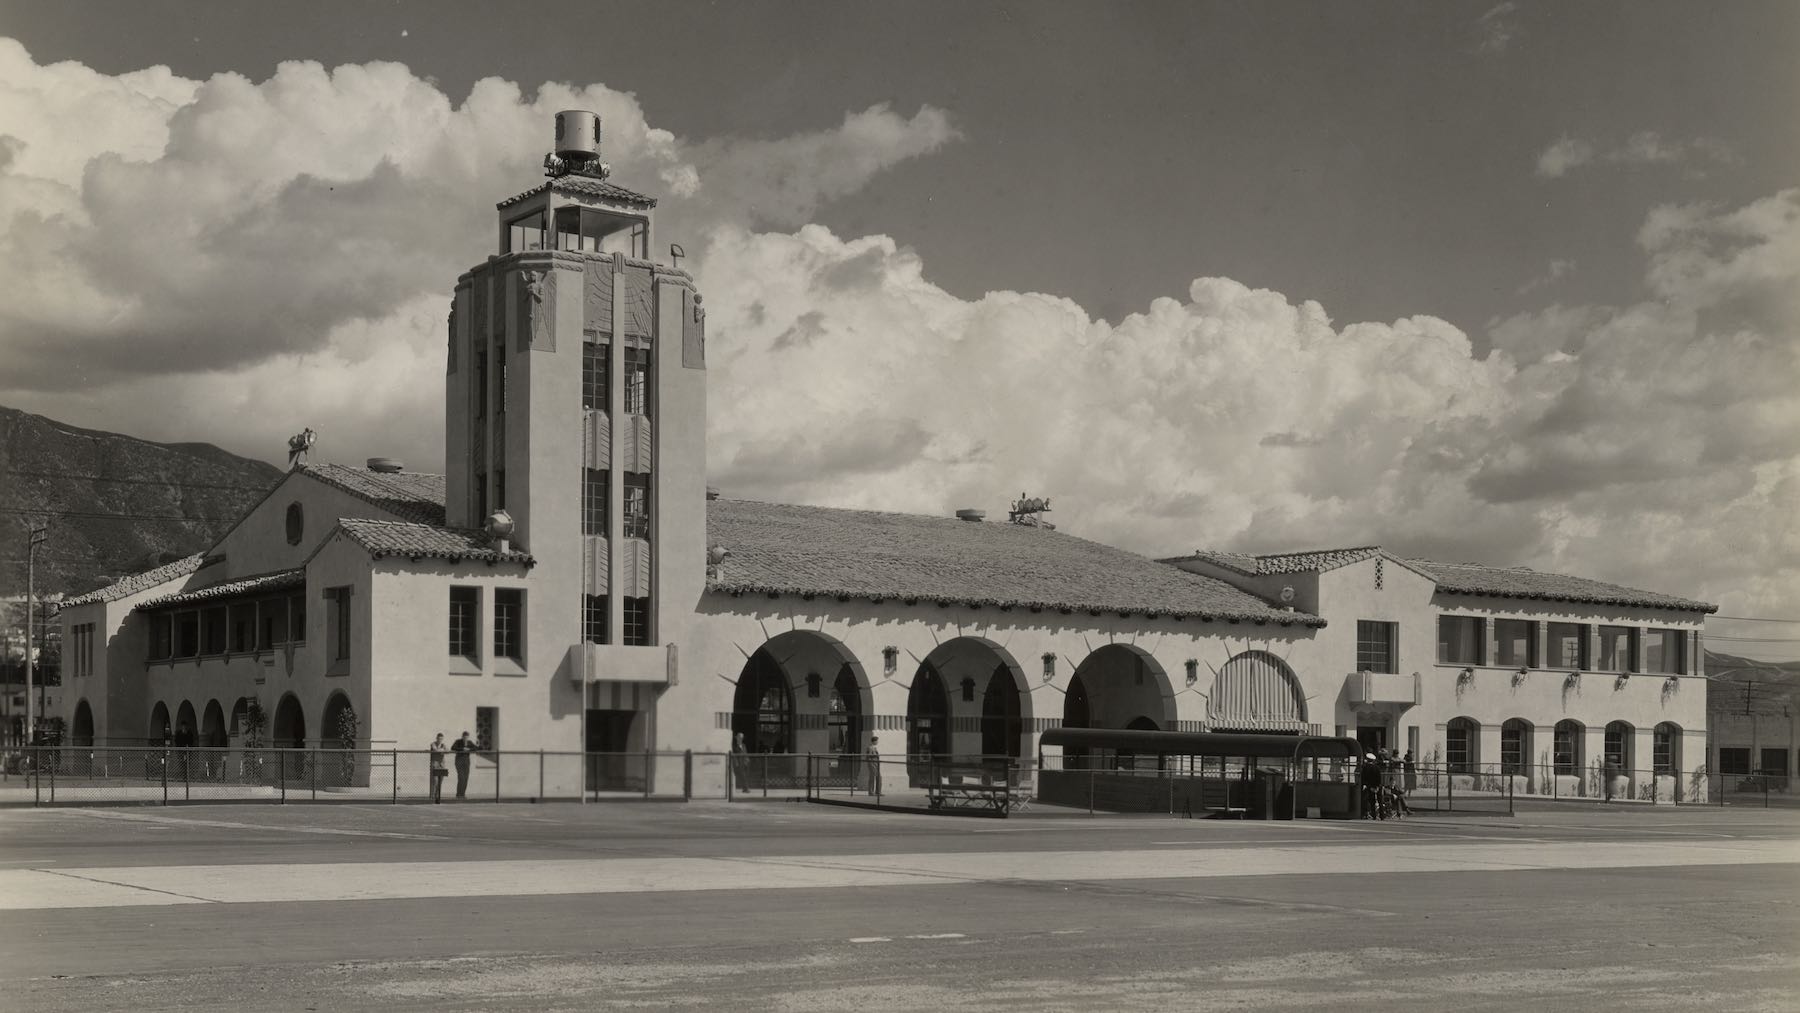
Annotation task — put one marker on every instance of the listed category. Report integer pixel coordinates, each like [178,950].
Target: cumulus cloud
[1555,271]
[230,260]
[1647,147]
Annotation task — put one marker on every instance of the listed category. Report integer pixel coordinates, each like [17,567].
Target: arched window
[1515,748]
[1618,744]
[1257,690]
[1666,747]
[1565,747]
[1460,738]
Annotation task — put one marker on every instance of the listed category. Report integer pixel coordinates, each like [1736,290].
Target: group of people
[463,749]
[740,764]
[1386,780]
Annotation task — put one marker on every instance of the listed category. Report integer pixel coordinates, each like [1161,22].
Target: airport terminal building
[571,582]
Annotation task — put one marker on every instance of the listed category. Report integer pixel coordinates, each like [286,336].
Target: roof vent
[712,492]
[385,465]
[971,515]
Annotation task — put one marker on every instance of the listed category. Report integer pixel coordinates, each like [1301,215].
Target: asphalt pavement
[796,907]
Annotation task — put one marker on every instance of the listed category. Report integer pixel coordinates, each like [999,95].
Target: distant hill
[117,504]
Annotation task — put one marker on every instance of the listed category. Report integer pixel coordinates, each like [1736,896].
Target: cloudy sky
[1515,283]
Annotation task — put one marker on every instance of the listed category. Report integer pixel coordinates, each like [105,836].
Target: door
[610,765]
[1372,737]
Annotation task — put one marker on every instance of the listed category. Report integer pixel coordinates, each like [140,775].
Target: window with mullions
[272,630]
[212,631]
[481,385]
[162,637]
[187,634]
[1374,646]
[1460,640]
[593,501]
[596,393]
[593,619]
[243,627]
[296,615]
[465,619]
[340,624]
[1616,654]
[637,622]
[1513,755]
[525,233]
[637,381]
[637,505]
[1664,751]
[1515,643]
[509,624]
[1566,646]
[1459,745]
[1565,747]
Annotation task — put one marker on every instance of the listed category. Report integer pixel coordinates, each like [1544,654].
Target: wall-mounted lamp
[890,660]
[968,688]
[812,685]
[1193,670]
[1049,665]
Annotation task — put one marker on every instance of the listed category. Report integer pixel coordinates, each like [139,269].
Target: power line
[136,481]
[1753,619]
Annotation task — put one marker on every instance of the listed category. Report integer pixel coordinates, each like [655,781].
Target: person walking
[464,748]
[740,762]
[438,770]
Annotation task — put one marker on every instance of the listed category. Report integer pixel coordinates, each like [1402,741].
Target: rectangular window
[273,613]
[509,624]
[1615,649]
[1460,640]
[243,627]
[1665,652]
[487,729]
[1565,748]
[637,381]
[296,620]
[596,395]
[499,489]
[500,389]
[637,505]
[212,631]
[1774,761]
[340,621]
[1734,760]
[1662,749]
[1567,646]
[1512,748]
[1457,747]
[481,385]
[465,619]
[1514,643]
[637,622]
[1374,646]
[187,634]
[593,501]
[162,641]
[481,499]
[593,619]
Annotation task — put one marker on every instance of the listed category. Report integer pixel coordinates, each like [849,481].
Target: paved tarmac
[796,907]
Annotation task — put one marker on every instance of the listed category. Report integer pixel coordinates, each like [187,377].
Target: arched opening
[1256,691]
[1565,747]
[1076,714]
[1619,735]
[160,731]
[81,729]
[187,725]
[968,700]
[1665,745]
[1462,739]
[289,727]
[212,726]
[802,692]
[339,731]
[1122,684]
[1515,746]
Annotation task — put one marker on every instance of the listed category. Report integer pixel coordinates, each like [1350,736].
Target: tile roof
[586,186]
[1310,561]
[1518,582]
[249,585]
[426,541]
[131,585]
[410,495]
[782,549]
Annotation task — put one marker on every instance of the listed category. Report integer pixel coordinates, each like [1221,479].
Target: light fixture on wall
[1193,670]
[1049,665]
[890,660]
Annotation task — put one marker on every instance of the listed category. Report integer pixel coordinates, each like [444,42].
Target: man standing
[464,748]
[872,760]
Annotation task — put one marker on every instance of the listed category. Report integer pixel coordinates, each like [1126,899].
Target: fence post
[540,793]
[1090,791]
[187,775]
[37,778]
[313,769]
[648,771]
[281,772]
[809,775]
[687,776]
[496,774]
[394,767]
[165,776]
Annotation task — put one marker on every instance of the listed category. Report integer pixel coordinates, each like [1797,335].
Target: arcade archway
[187,725]
[81,728]
[802,692]
[212,725]
[288,730]
[160,730]
[1119,686]
[968,699]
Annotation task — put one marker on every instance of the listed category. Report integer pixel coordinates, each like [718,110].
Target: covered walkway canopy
[1262,774]
[1249,745]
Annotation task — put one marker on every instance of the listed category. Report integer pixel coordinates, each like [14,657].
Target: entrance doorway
[610,767]
[1373,738]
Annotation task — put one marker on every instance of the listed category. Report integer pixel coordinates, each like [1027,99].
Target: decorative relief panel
[535,299]
[634,568]
[635,447]
[693,331]
[599,440]
[598,555]
[638,305]
[598,296]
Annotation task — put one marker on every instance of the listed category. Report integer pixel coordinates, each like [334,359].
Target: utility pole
[35,538]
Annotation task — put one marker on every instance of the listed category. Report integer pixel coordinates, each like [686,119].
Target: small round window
[296,524]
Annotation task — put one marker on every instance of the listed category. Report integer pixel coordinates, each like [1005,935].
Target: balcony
[618,663]
[1373,689]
